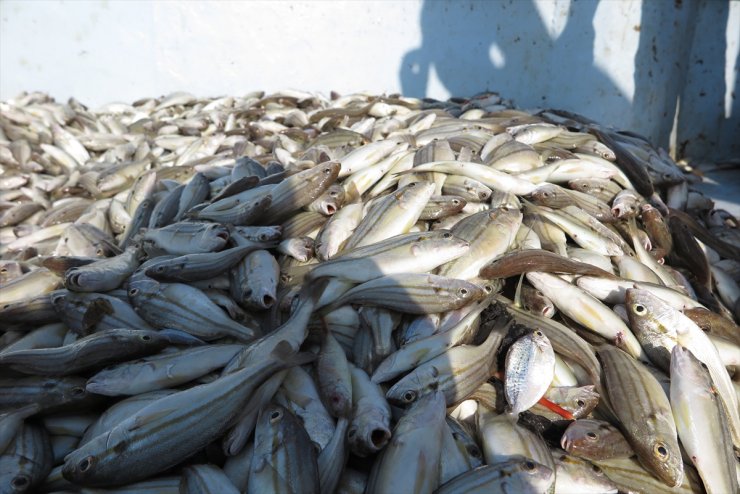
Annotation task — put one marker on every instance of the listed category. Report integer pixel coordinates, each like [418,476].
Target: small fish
[530,368]
[595,440]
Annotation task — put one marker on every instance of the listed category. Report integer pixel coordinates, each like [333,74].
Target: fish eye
[539,333]
[412,184]
[660,450]
[591,435]
[145,337]
[275,415]
[639,309]
[20,482]
[409,396]
[86,463]
[77,391]
[455,202]
[463,291]
[160,269]
[447,235]
[132,292]
[596,469]
[529,465]
[474,452]
[333,193]
[580,403]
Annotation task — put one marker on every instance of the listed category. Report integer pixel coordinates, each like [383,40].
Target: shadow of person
[701,116]
[505,47]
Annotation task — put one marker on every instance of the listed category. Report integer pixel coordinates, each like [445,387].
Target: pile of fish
[360,293]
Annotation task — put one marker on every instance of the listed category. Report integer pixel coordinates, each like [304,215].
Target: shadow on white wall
[508,47]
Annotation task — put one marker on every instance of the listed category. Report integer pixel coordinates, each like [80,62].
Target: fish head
[75,278]
[270,233]
[585,436]
[18,484]
[537,474]
[468,448]
[466,292]
[368,433]
[165,268]
[650,318]
[439,243]
[666,176]
[540,340]
[92,464]
[583,400]
[213,237]
[666,462]
[414,193]
[414,386]
[141,289]
[549,194]
[98,383]
[270,422]
[323,175]
[74,392]
[405,394]
[58,299]
[332,199]
[646,312]
[539,304]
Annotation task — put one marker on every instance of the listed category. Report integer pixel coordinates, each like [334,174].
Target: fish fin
[143,420]
[96,311]
[518,293]
[554,407]
[284,352]
[632,229]
[179,337]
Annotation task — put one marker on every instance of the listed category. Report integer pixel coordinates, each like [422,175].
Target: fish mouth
[379,437]
[565,443]
[267,301]
[73,279]
[96,388]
